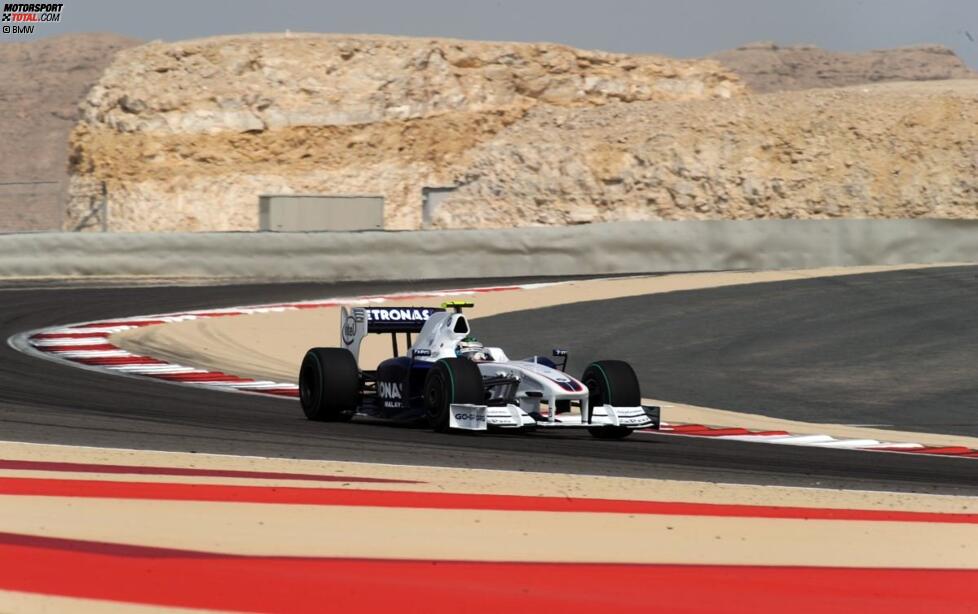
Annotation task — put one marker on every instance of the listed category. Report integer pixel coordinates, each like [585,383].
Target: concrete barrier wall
[629,247]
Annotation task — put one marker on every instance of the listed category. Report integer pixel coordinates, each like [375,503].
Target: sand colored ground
[314,530]
[392,533]
[375,532]
[271,345]
[467,480]
[13,601]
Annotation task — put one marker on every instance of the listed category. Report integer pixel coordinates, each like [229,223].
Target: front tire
[450,380]
[329,385]
[611,382]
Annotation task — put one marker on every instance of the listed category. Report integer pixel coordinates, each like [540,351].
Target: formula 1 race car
[454,382]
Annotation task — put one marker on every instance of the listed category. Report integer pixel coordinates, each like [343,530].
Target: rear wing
[358,322]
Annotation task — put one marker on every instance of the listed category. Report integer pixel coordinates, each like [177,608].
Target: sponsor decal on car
[398,319]
[389,390]
[564,381]
[633,420]
[349,330]
[467,417]
[398,314]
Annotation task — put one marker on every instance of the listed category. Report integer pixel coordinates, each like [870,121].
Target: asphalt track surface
[42,401]
[897,350]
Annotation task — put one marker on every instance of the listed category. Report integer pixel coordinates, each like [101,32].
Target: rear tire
[329,385]
[451,380]
[611,382]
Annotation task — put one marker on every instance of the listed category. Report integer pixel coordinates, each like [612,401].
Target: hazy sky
[678,28]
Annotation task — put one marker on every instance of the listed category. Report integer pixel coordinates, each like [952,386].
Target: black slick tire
[329,384]
[611,382]
[450,380]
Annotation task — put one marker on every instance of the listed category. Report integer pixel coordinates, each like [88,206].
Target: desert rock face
[769,67]
[895,151]
[43,81]
[186,136]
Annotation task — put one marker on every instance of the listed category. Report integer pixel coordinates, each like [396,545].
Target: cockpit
[473,349]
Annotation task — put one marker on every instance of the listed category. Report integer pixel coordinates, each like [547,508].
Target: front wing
[481,417]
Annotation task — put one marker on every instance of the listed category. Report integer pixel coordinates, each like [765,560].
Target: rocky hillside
[43,82]
[187,135]
[769,67]
[892,150]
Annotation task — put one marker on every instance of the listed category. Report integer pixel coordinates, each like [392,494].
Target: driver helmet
[471,347]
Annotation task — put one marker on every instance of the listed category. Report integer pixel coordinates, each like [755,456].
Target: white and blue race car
[454,382]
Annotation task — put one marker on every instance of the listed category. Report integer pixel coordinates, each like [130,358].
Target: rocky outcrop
[898,150]
[186,136]
[769,67]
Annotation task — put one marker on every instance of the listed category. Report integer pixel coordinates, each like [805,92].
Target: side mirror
[559,352]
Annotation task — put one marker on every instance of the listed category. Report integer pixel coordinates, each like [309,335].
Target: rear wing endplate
[358,322]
